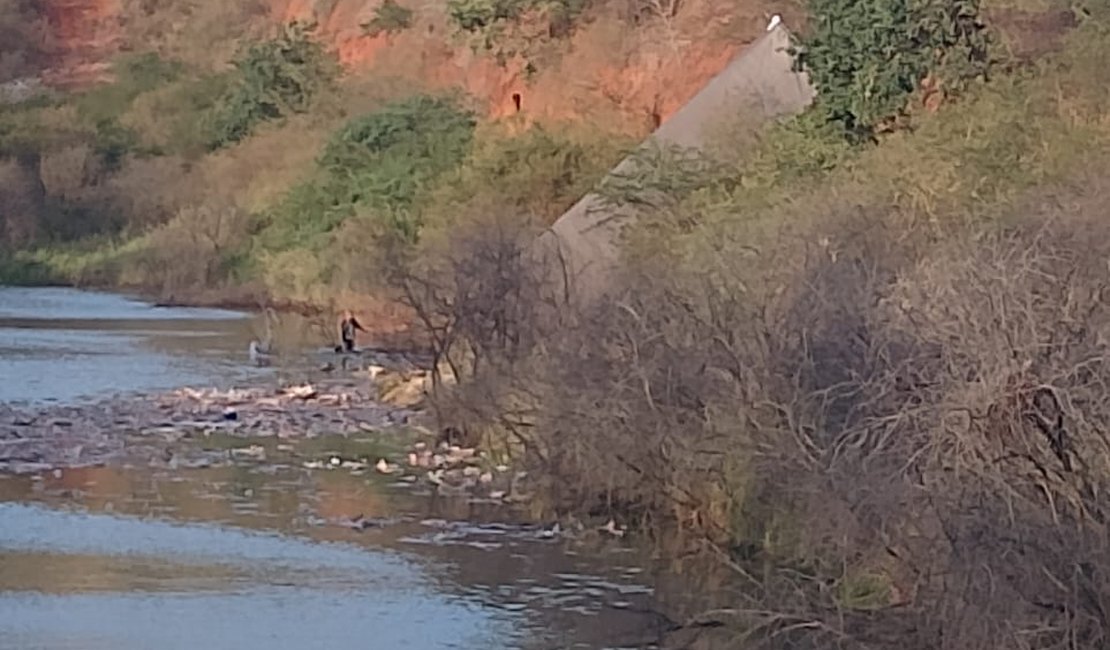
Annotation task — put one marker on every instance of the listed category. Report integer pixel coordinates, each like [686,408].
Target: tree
[867,57]
[275,79]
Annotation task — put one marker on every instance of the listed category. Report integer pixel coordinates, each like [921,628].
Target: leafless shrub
[21,198]
[892,440]
[193,248]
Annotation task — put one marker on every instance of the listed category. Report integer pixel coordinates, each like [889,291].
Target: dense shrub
[391,153]
[389,18]
[496,25]
[375,166]
[274,79]
[866,58]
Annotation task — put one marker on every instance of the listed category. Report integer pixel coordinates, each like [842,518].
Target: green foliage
[492,22]
[792,151]
[657,177]
[112,142]
[101,108]
[274,79]
[375,167]
[389,155]
[537,174]
[477,15]
[867,57]
[389,18]
[175,119]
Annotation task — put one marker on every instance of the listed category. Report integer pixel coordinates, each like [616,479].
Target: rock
[463,454]
[302,392]
[403,391]
[18,467]
[385,468]
[255,452]
[486,478]
[613,529]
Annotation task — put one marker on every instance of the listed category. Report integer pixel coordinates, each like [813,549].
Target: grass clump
[390,17]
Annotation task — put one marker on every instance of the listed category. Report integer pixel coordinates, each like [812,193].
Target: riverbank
[179,486]
[388,323]
[370,421]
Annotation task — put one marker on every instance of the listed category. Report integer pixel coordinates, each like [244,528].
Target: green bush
[493,21]
[389,18]
[391,154]
[867,57]
[476,15]
[275,79]
[531,176]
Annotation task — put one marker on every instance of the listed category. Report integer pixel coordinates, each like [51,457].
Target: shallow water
[61,344]
[239,557]
[255,554]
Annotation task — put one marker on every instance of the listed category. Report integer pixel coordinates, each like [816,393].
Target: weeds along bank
[870,378]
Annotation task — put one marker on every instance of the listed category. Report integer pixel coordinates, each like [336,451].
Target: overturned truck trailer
[579,252]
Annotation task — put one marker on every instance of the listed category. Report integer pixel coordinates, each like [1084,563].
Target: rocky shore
[362,425]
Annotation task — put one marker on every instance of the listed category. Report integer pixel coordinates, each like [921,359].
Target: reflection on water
[61,344]
[240,556]
[254,555]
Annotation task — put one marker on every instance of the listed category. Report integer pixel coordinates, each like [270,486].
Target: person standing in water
[348,324]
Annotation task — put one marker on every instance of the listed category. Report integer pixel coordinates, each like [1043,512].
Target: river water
[138,556]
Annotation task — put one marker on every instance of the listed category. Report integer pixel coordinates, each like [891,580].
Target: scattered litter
[256,452]
[613,529]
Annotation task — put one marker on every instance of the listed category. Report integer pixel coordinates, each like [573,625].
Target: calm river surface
[238,557]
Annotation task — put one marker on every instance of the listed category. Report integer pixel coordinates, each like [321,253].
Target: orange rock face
[83,34]
[624,74]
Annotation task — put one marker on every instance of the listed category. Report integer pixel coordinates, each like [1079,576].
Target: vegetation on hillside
[149,181]
[275,78]
[390,17]
[867,58]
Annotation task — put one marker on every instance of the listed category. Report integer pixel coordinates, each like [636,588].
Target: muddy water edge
[156,490]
